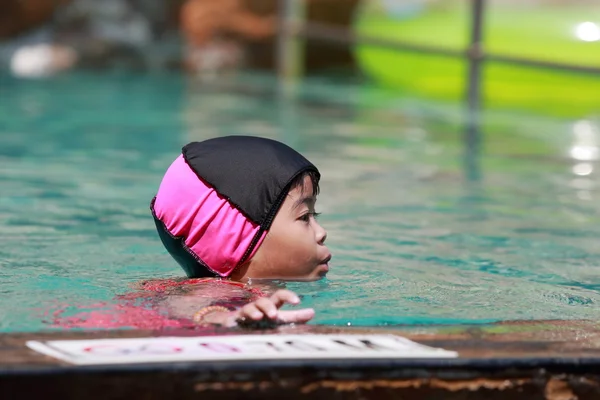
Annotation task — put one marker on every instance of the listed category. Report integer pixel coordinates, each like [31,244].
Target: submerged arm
[263,313]
[232,310]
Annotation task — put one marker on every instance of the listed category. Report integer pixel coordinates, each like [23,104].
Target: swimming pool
[419,234]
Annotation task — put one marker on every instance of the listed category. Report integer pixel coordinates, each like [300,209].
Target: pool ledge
[557,360]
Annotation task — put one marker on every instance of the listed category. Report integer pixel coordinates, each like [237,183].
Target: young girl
[236,213]
[233,211]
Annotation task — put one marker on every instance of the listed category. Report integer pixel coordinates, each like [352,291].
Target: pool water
[423,230]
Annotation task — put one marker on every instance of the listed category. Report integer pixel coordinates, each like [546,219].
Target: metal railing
[294,27]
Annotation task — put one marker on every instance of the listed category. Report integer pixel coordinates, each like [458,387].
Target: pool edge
[556,360]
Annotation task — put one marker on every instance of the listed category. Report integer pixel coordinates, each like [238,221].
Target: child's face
[294,248]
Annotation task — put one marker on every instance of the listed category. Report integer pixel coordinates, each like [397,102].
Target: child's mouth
[324,266]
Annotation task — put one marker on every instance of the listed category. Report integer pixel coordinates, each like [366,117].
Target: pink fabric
[116,317]
[142,309]
[218,233]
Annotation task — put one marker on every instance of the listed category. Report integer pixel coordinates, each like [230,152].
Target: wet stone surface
[535,360]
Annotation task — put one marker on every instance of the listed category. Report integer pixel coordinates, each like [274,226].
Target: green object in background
[558,33]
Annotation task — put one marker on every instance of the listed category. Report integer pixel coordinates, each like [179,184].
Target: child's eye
[306,217]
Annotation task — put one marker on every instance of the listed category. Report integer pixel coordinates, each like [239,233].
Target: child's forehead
[305,189]
[307,186]
[298,199]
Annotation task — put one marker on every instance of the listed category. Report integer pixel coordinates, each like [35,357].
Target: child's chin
[318,275]
[310,278]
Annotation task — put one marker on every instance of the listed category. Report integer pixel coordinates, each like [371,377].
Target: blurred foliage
[542,33]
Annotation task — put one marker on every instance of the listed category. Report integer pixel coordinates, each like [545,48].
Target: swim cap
[218,199]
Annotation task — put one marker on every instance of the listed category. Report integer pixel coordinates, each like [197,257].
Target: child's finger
[251,311]
[267,307]
[296,316]
[283,296]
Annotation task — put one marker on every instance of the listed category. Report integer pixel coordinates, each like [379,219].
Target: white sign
[234,348]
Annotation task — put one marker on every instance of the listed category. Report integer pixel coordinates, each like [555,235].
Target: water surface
[419,234]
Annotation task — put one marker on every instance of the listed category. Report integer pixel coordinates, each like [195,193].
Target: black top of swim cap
[253,173]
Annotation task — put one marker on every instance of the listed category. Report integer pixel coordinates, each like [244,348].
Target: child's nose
[321,234]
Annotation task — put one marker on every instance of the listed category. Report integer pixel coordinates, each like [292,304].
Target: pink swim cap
[218,199]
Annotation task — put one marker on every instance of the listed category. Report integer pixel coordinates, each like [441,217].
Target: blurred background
[540,55]
[458,141]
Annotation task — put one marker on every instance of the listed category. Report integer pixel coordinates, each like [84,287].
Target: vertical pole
[289,67]
[475,55]
[290,57]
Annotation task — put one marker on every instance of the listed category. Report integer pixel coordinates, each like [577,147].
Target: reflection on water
[414,239]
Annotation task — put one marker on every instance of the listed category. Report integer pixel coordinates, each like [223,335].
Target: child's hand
[267,308]
[265,311]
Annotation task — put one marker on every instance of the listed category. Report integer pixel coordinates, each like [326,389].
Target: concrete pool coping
[556,360]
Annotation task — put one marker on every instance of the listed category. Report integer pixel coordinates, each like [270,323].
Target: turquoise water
[418,234]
